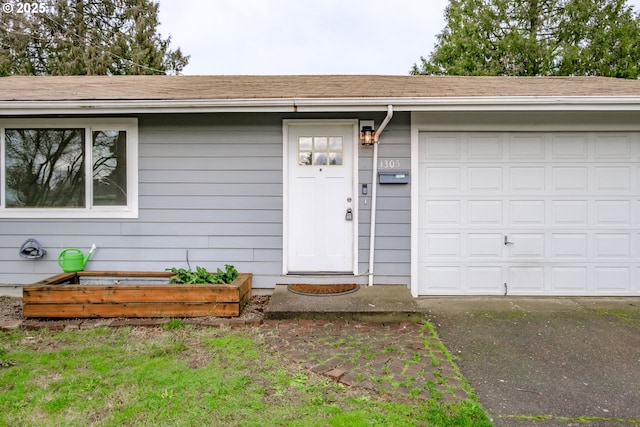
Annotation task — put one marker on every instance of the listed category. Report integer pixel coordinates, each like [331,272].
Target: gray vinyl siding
[211,191]
[393,217]
[216,179]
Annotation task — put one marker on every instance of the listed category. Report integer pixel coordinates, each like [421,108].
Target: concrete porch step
[378,303]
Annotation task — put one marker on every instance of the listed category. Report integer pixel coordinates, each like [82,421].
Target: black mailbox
[393,177]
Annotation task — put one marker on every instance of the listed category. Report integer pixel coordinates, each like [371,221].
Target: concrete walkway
[379,303]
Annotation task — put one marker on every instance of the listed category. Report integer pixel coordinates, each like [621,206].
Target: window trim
[130,125]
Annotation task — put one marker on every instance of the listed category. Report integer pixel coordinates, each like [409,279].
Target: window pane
[304,143]
[44,168]
[320,159]
[335,143]
[109,168]
[304,159]
[320,143]
[335,159]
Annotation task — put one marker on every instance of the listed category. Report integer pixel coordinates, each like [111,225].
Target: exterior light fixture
[366,136]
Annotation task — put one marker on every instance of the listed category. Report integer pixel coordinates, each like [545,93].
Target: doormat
[323,290]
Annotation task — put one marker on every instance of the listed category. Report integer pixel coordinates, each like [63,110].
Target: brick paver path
[403,358]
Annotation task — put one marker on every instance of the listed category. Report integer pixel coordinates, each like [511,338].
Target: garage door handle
[506,240]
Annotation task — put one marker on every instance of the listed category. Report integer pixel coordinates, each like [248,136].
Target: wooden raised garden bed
[125,294]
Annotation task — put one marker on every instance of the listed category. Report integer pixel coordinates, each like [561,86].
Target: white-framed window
[69,168]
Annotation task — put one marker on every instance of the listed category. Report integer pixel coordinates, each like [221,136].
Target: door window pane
[335,158]
[335,143]
[44,168]
[320,143]
[335,150]
[304,158]
[320,150]
[305,143]
[109,168]
[320,158]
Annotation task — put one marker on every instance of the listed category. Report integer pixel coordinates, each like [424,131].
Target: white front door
[320,210]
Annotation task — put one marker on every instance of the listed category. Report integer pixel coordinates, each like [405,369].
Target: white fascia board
[145,106]
[528,103]
[523,103]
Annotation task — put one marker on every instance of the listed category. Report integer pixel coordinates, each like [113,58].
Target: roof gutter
[300,105]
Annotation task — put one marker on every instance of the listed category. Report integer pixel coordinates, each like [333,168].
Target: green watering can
[72,260]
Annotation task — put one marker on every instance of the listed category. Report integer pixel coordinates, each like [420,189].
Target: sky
[303,36]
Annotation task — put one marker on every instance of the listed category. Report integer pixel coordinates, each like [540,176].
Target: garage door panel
[569,212]
[613,246]
[612,212]
[570,179]
[443,179]
[568,201]
[442,245]
[527,179]
[569,147]
[523,146]
[615,146]
[526,246]
[485,212]
[526,280]
[570,246]
[485,245]
[569,280]
[440,212]
[613,179]
[484,179]
[443,279]
[485,146]
[485,280]
[527,212]
[612,280]
[439,146]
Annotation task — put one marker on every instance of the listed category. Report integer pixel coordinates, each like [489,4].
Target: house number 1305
[389,164]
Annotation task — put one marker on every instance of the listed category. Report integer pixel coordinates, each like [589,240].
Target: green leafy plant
[201,275]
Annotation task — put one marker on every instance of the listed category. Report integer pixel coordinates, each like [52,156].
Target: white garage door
[529,213]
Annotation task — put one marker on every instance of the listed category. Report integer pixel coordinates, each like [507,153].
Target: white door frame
[286,124]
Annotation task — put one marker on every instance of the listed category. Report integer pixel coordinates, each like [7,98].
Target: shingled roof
[111,88]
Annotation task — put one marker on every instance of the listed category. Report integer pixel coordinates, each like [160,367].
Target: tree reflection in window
[109,168]
[44,168]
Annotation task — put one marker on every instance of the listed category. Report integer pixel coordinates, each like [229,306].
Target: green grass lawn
[187,376]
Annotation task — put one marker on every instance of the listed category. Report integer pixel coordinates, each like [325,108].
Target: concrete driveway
[546,361]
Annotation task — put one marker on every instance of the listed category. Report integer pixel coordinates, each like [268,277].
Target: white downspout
[374,186]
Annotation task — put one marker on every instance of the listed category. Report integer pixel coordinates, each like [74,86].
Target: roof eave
[476,103]
[516,103]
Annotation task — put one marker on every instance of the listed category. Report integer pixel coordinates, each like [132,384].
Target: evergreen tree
[87,37]
[537,38]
